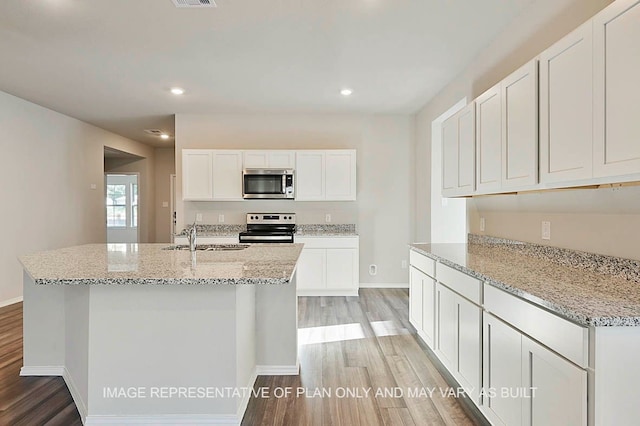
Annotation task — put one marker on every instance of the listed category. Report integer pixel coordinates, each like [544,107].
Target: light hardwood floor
[362,343]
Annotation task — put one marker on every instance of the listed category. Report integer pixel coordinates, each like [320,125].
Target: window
[117,206]
[122,201]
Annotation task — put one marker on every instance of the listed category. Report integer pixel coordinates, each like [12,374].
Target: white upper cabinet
[227,175]
[458,153]
[520,128]
[275,159]
[616,33]
[566,108]
[211,175]
[197,175]
[328,175]
[489,140]
[340,175]
[309,179]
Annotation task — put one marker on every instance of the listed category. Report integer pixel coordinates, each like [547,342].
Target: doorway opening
[448,215]
[123,208]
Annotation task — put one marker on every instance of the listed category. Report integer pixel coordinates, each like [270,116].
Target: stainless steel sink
[210,247]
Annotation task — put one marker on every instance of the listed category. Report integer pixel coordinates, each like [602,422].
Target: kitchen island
[146,335]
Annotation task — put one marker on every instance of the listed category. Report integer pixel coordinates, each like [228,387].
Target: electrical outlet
[546,230]
[198,217]
[220,218]
[373,269]
[482,224]
[327,218]
[93,186]
[403,264]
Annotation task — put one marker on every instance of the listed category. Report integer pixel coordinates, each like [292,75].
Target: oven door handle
[264,238]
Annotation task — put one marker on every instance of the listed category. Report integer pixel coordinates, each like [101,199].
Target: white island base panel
[125,351]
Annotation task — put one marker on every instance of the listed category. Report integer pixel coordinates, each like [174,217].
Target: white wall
[165,166]
[384,144]
[49,162]
[541,24]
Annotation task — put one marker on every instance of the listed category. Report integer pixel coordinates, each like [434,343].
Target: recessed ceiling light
[177,91]
[164,136]
[346,92]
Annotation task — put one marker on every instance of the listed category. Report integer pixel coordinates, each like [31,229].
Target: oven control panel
[271,218]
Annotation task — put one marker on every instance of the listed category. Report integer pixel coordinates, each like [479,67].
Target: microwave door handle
[284,183]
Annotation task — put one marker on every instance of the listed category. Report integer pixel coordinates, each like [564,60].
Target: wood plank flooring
[362,343]
[358,343]
[28,401]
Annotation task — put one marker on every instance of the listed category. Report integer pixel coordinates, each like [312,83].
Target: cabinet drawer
[328,242]
[566,338]
[423,263]
[467,286]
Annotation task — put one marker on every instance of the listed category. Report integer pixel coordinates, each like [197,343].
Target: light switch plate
[327,218]
[165,204]
[546,230]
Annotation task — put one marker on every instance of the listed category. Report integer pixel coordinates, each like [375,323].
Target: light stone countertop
[150,264]
[303,230]
[584,296]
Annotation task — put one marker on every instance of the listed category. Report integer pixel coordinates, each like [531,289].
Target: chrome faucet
[191,236]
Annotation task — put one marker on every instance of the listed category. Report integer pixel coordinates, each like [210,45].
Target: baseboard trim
[75,395]
[244,402]
[10,301]
[43,370]
[278,370]
[165,419]
[327,292]
[384,285]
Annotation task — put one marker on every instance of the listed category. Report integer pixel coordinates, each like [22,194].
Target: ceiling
[112,62]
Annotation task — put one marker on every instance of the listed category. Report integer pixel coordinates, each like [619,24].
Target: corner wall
[49,162]
[384,144]
[599,221]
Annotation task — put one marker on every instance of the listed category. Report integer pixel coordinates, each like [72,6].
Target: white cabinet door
[566,108]
[282,159]
[197,174]
[450,156]
[428,309]
[310,170]
[469,365]
[342,265]
[311,269]
[415,298]
[274,159]
[502,369]
[447,340]
[227,175]
[520,127]
[340,175]
[255,159]
[616,32]
[467,150]
[489,140]
[556,388]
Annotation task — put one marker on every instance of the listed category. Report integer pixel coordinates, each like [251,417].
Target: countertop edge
[559,310]
[165,281]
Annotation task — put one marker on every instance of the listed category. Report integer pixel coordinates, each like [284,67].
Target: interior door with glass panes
[122,208]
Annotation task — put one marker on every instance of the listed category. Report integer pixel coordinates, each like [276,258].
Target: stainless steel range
[269,228]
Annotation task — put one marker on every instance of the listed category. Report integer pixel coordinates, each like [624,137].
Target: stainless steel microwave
[268,183]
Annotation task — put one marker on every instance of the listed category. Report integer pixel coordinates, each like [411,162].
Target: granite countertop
[596,291]
[152,264]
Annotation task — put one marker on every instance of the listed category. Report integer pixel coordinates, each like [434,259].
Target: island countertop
[153,264]
[589,294]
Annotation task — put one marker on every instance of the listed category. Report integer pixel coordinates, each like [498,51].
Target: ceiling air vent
[155,132]
[194,3]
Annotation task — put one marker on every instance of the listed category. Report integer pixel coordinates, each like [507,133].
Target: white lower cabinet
[520,364]
[528,384]
[459,339]
[415,297]
[328,266]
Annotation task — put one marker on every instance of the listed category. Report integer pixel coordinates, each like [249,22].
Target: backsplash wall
[604,221]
